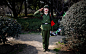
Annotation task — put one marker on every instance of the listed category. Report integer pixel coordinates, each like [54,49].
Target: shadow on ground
[5,48]
[16,48]
[66,52]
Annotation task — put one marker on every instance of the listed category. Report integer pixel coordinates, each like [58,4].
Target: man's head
[46,8]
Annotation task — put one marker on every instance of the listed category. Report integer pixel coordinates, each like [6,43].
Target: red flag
[52,23]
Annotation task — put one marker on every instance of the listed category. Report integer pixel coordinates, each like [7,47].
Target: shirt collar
[46,14]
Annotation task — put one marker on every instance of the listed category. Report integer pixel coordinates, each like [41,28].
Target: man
[45,26]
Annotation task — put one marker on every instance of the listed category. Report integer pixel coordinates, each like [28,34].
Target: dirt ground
[32,44]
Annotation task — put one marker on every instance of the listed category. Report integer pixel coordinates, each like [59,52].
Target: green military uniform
[45,28]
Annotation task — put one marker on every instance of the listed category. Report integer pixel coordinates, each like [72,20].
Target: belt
[45,23]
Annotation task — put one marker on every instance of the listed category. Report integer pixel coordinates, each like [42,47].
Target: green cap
[46,6]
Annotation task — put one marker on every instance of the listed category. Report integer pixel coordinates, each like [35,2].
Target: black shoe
[48,50]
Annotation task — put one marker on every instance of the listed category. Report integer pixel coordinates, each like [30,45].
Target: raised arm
[38,12]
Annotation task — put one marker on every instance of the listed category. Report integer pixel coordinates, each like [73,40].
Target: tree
[59,6]
[8,28]
[25,8]
[34,4]
[14,5]
[1,2]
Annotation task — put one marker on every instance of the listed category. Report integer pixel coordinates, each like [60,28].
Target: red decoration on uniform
[52,23]
[50,15]
[41,15]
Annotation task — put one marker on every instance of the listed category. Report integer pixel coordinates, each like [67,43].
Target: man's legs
[45,37]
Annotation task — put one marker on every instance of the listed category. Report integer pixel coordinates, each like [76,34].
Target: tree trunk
[57,7]
[14,10]
[15,14]
[12,4]
[39,3]
[25,9]
[44,2]
[52,8]
[62,6]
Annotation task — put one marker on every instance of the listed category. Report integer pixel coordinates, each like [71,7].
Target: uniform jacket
[45,19]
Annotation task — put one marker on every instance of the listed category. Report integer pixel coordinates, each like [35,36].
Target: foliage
[56,26]
[34,4]
[74,23]
[8,27]
[30,24]
[59,46]
[14,5]
[33,24]
[61,43]
[57,50]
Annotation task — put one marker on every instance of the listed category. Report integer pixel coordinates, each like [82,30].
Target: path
[34,43]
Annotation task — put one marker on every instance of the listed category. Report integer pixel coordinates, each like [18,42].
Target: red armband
[52,23]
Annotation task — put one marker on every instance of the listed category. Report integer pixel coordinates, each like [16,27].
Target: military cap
[46,6]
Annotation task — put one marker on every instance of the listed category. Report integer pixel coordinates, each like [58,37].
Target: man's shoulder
[48,14]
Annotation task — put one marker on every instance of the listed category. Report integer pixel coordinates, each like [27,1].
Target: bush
[8,27]
[74,23]
[30,24]
[56,26]
[33,24]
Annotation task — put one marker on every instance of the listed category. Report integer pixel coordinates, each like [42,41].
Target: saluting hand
[41,9]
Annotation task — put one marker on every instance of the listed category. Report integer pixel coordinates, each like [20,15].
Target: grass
[59,46]
[56,43]
[57,49]
[61,43]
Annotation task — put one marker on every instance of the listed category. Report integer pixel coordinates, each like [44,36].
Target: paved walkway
[34,43]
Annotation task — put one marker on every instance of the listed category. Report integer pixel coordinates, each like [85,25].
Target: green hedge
[9,27]
[33,24]
[74,23]
[30,24]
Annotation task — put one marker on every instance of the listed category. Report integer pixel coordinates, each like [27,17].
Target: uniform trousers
[45,38]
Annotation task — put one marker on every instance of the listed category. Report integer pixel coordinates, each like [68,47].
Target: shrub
[8,27]
[74,23]
[30,24]
[56,26]
[33,24]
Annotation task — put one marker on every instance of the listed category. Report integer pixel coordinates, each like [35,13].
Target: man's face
[46,9]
